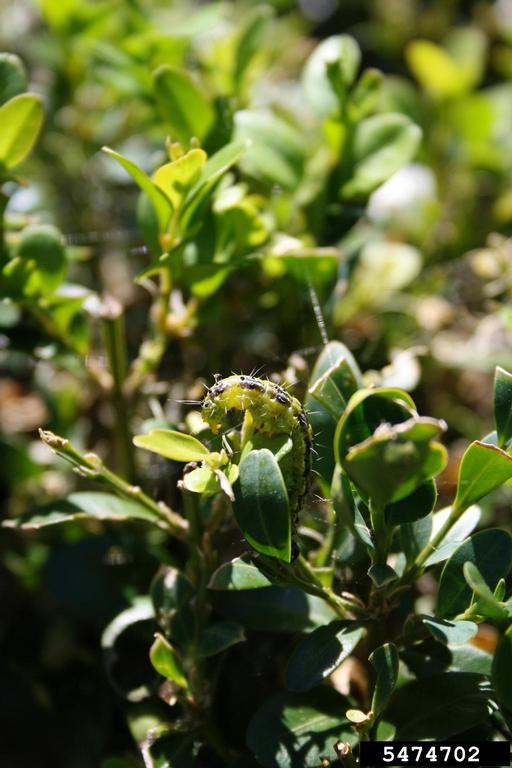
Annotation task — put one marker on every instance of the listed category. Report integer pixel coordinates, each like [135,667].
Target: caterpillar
[274,412]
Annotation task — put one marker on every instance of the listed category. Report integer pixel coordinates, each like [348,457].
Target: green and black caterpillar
[274,412]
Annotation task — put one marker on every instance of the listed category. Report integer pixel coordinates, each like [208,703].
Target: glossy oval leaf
[490,551]
[240,574]
[172,445]
[384,660]
[483,468]
[294,730]
[183,104]
[13,79]
[502,674]
[439,706]
[503,405]
[382,144]
[341,51]
[450,632]
[219,636]
[320,653]
[41,248]
[261,506]
[166,661]
[21,119]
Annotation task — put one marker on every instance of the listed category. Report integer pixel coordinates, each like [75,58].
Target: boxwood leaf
[166,661]
[440,706]
[503,405]
[219,636]
[185,107]
[177,178]
[381,145]
[261,505]
[160,202]
[274,609]
[320,653]
[173,445]
[502,674]
[464,526]
[490,551]
[450,632]
[484,602]
[396,459]
[13,79]
[415,506]
[21,119]
[172,593]
[241,573]
[483,468]
[84,505]
[41,248]
[321,419]
[341,51]
[384,660]
[294,730]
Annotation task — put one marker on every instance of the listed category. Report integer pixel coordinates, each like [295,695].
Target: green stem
[91,466]
[114,337]
[433,543]
[345,607]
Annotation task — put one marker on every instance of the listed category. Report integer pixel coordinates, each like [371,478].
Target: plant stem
[114,338]
[381,533]
[434,543]
[344,606]
[90,465]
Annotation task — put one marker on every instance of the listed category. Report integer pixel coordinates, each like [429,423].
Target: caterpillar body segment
[273,412]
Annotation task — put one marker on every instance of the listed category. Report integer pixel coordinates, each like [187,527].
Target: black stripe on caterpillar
[274,412]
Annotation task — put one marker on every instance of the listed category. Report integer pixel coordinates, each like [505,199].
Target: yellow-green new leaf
[20,122]
[177,178]
[172,445]
[167,662]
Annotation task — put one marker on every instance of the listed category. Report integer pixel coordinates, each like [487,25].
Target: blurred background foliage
[402,228]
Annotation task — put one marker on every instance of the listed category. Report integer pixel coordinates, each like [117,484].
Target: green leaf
[212,172]
[436,71]
[21,119]
[172,445]
[484,603]
[396,459]
[237,575]
[275,150]
[417,505]
[261,505]
[184,106]
[381,145]
[167,662]
[84,505]
[274,609]
[464,526]
[503,405]
[320,653]
[219,636]
[329,388]
[176,179]
[490,551]
[42,252]
[384,660]
[382,574]
[483,468]
[502,674]
[450,632]
[415,536]
[344,53]
[321,419]
[365,94]
[438,707]
[172,594]
[294,730]
[161,204]
[13,79]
